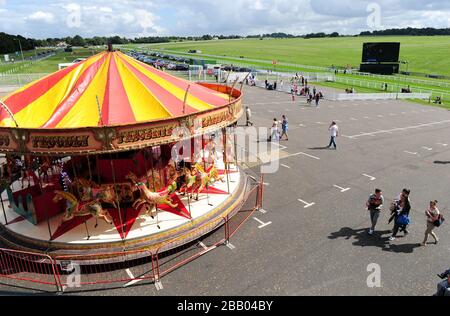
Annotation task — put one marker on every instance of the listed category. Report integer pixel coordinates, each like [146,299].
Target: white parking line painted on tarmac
[307,205]
[262,223]
[409,152]
[302,125]
[128,271]
[380,116]
[442,144]
[262,211]
[230,245]
[370,177]
[353,119]
[203,245]
[341,188]
[285,166]
[320,123]
[427,148]
[401,129]
[304,154]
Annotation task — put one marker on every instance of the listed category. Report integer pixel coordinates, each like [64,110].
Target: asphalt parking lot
[317,242]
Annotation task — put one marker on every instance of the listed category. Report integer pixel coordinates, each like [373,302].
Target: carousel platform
[132,230]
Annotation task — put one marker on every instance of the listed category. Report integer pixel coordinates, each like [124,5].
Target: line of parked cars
[170,62]
[160,61]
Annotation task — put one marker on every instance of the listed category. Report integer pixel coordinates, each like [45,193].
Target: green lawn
[50,64]
[425,54]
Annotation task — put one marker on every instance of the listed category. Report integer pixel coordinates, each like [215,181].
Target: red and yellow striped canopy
[127,90]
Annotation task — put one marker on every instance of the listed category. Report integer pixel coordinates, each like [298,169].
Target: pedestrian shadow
[379,239]
[361,238]
[441,162]
[319,148]
[405,248]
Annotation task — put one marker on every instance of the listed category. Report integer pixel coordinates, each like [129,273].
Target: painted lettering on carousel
[215,118]
[59,141]
[4,141]
[144,134]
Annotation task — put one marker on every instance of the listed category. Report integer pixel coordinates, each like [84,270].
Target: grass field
[50,64]
[424,54]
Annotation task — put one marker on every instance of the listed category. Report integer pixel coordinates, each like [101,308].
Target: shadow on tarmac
[319,148]
[442,162]
[379,239]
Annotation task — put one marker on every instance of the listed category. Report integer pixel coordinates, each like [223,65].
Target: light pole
[21,51]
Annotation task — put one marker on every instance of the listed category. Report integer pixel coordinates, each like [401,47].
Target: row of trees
[10,43]
[428,31]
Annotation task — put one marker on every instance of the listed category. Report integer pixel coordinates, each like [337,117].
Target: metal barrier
[28,267]
[381,96]
[19,79]
[133,267]
[66,273]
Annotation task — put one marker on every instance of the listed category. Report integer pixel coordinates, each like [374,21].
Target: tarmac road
[323,248]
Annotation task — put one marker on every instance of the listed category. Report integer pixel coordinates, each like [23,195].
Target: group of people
[275,134]
[400,214]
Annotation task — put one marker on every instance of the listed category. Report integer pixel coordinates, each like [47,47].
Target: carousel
[111,154]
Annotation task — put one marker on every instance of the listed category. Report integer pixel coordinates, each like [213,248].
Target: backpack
[439,221]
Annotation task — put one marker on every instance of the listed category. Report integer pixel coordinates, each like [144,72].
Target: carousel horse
[74,209]
[89,190]
[149,200]
[204,179]
[173,174]
[189,179]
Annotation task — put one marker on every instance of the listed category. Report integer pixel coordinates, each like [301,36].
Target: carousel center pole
[204,166]
[225,158]
[154,187]
[3,207]
[118,202]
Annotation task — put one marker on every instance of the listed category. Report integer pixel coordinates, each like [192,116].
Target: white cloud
[40,16]
[133,18]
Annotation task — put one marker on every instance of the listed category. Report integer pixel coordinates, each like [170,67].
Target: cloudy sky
[134,18]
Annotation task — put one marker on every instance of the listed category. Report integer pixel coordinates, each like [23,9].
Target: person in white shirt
[334,133]
[432,214]
[248,113]
[274,134]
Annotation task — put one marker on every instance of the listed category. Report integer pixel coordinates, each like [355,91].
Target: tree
[77,41]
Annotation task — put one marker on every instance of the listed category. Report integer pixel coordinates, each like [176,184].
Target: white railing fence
[380,96]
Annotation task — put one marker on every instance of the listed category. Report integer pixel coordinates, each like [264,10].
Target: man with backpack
[374,206]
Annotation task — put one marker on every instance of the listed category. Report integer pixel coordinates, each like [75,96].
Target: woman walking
[401,215]
[433,215]
[274,134]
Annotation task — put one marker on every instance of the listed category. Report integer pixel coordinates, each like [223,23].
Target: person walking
[443,288]
[374,206]
[293,93]
[334,133]
[317,98]
[284,127]
[274,135]
[248,114]
[433,215]
[400,214]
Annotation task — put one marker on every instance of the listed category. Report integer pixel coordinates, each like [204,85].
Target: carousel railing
[80,272]
[28,268]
